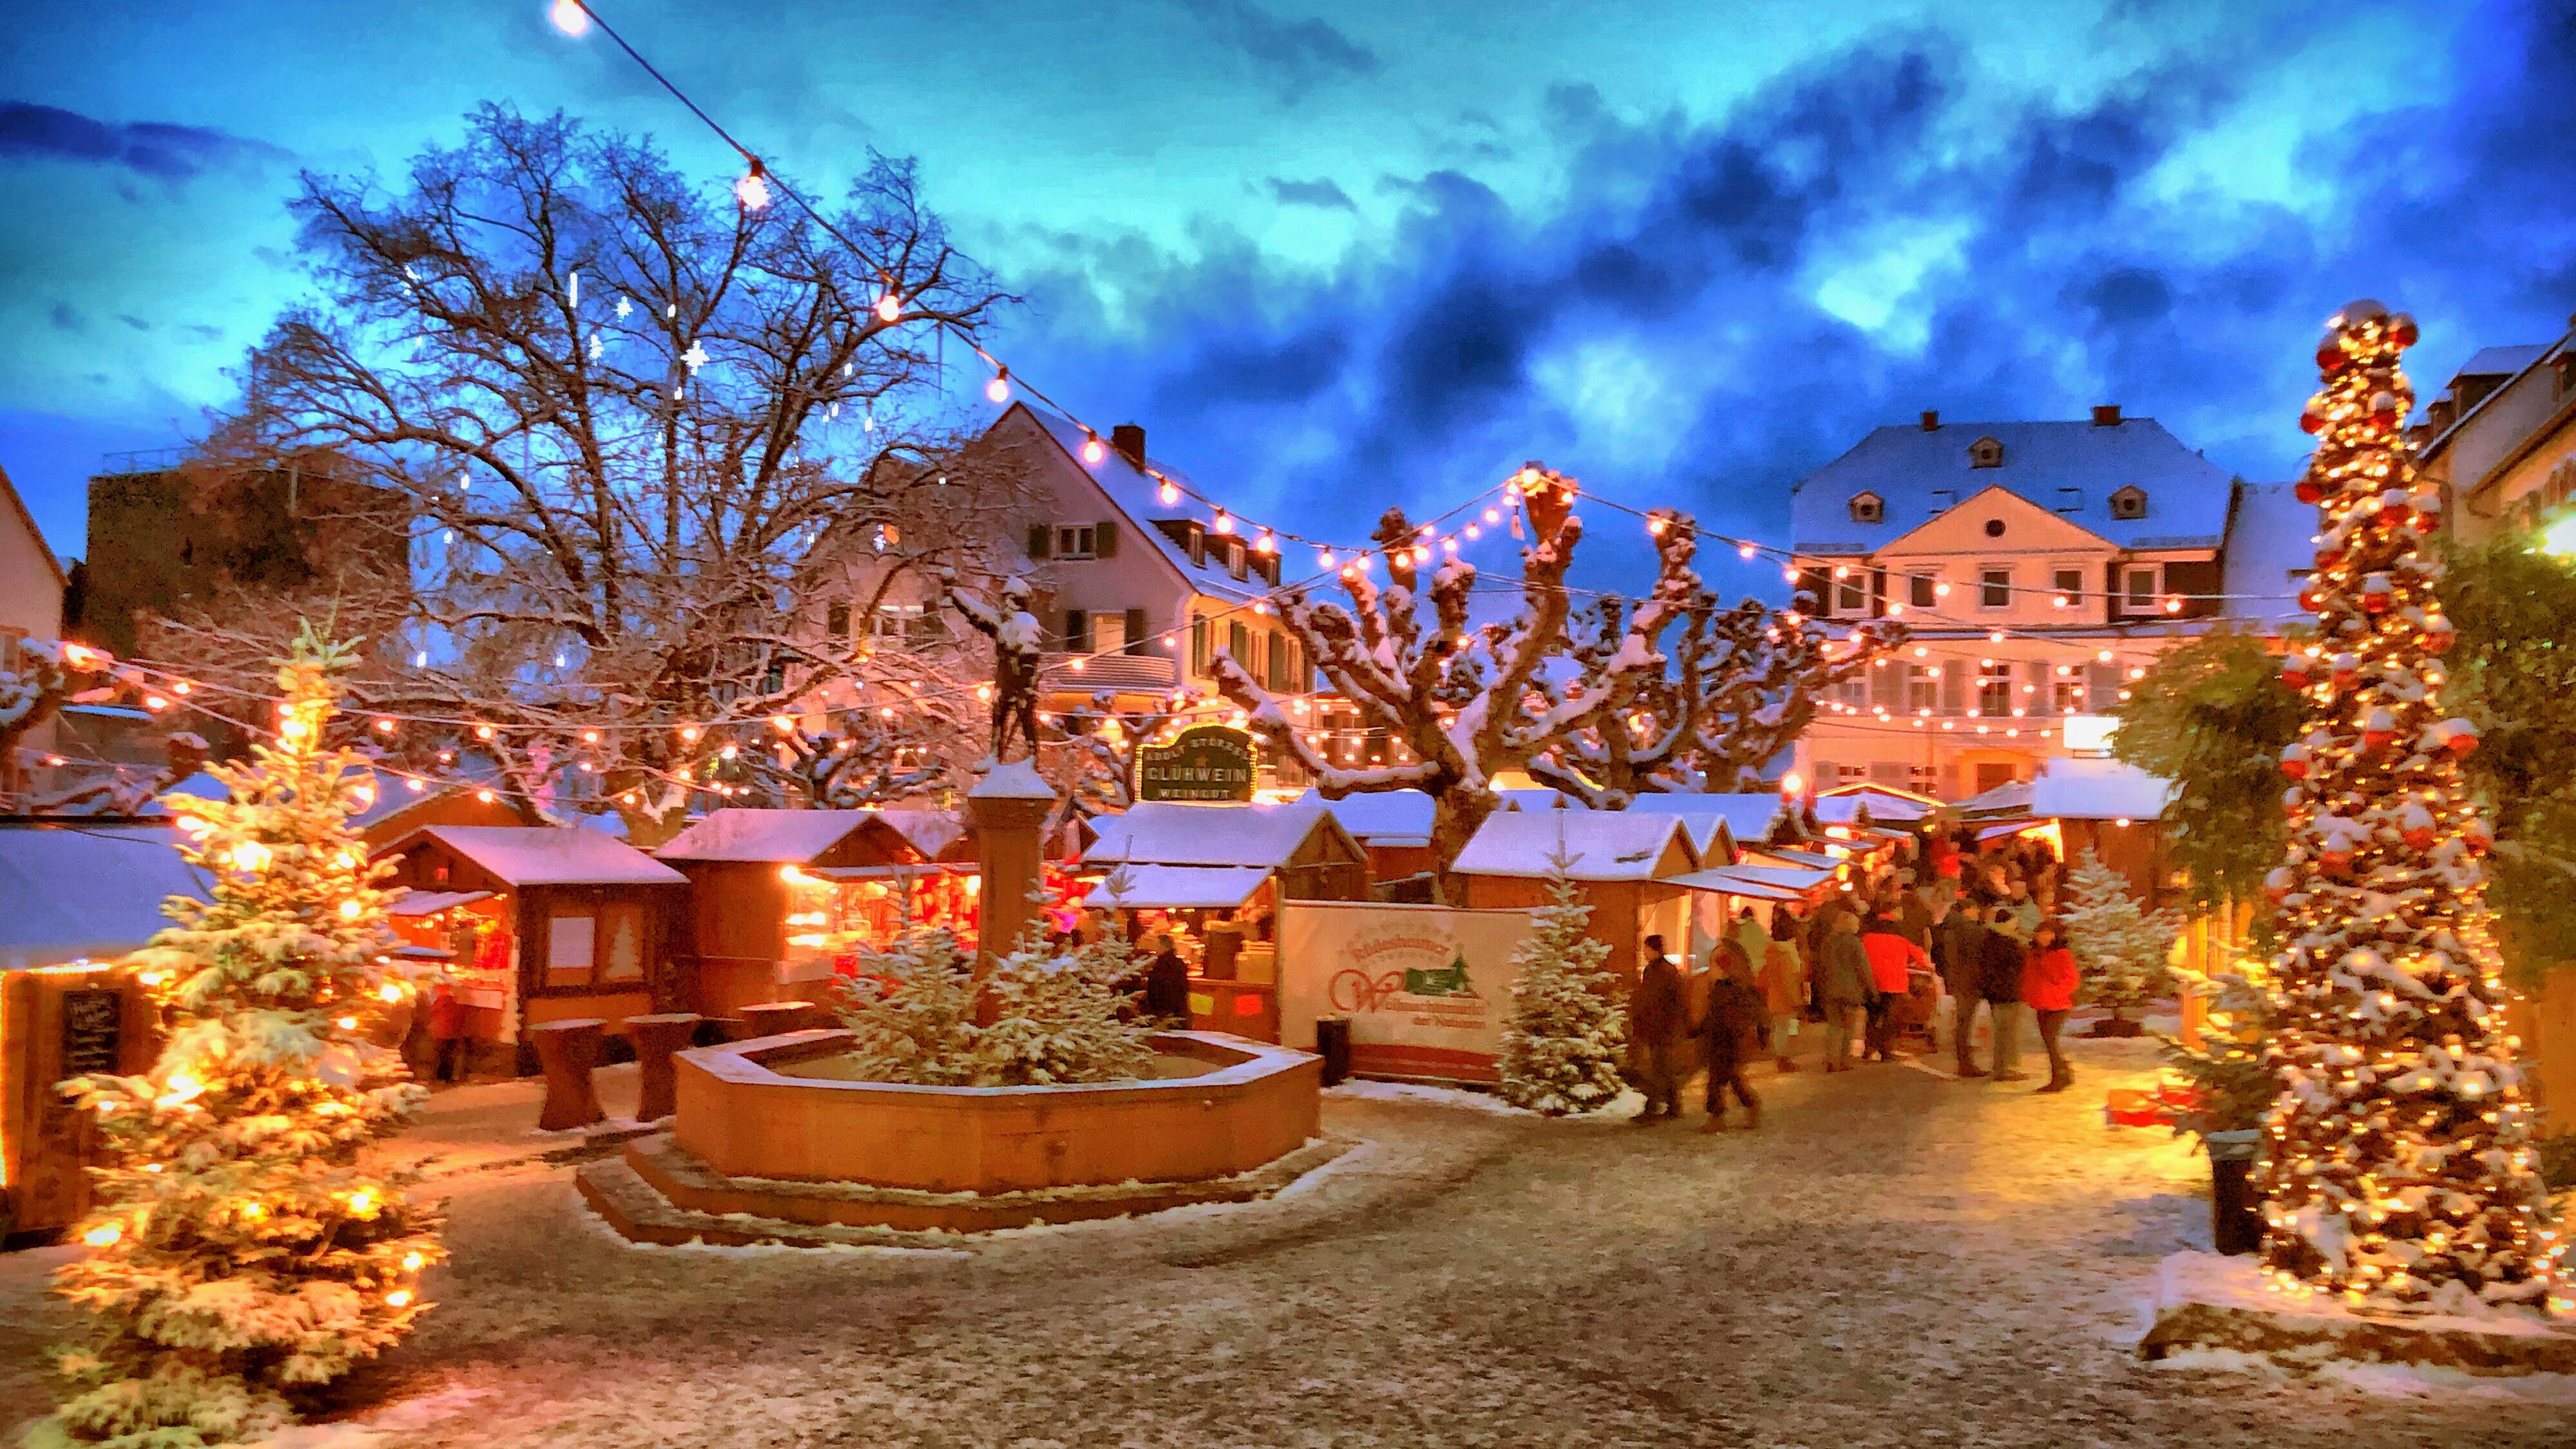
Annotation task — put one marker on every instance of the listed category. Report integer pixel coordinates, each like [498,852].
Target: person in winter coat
[1751,938]
[1846,985]
[1659,1023]
[1167,983]
[447,1029]
[2048,982]
[1891,956]
[1999,982]
[1782,980]
[1730,1032]
[1959,947]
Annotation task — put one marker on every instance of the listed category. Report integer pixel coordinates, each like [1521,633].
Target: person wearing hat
[1999,984]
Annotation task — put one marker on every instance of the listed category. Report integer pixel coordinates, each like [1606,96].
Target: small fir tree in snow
[2121,947]
[241,1251]
[2228,1069]
[1562,1049]
[1056,1018]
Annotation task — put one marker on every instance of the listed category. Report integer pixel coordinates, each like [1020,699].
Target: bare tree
[1743,686]
[1467,707]
[625,415]
[1102,761]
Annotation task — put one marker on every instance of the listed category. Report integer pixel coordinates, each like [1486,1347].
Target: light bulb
[1093,450]
[999,389]
[569,17]
[889,308]
[753,189]
[1169,493]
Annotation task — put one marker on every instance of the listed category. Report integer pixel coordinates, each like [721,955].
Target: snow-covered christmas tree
[1562,1048]
[2400,1167]
[241,1251]
[2120,945]
[1055,1018]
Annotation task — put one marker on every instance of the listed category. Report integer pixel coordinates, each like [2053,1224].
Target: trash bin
[2235,1210]
[1333,1041]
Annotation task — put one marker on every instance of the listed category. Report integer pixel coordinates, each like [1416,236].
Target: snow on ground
[1622,1107]
[1892,1259]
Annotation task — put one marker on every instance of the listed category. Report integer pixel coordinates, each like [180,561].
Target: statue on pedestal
[1017,644]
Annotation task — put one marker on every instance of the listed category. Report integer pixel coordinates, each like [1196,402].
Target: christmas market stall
[783,899]
[80,895]
[1393,826]
[2111,808]
[546,923]
[1623,864]
[1212,877]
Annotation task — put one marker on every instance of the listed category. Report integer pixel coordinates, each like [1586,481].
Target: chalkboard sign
[93,1030]
[1206,762]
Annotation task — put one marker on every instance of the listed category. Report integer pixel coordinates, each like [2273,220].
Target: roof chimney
[2107,415]
[1931,420]
[1129,439]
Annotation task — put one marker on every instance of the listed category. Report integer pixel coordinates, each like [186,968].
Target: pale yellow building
[2501,443]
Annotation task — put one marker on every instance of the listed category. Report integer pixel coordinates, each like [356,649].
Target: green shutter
[1040,535]
[1104,540]
[1135,631]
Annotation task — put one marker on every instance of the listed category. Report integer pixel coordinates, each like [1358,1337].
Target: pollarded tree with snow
[1743,685]
[2122,947]
[242,1250]
[1567,1034]
[1468,707]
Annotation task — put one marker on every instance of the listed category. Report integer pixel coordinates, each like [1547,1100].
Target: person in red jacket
[447,1029]
[1890,956]
[2048,982]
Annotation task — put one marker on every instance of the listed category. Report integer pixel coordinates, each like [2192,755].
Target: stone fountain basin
[1219,1106]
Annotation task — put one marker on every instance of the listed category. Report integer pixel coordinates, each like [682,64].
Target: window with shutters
[1922,689]
[901,621]
[1077,631]
[1234,551]
[1995,689]
[1073,540]
[1279,662]
[1923,591]
[1134,632]
[2066,694]
[2142,588]
[1238,642]
[1994,589]
[1199,645]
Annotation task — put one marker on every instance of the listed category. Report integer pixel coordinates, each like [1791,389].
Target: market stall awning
[1178,887]
[1805,859]
[2002,828]
[908,870]
[430,903]
[1726,881]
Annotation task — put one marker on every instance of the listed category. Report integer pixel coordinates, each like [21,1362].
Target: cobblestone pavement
[1893,1259]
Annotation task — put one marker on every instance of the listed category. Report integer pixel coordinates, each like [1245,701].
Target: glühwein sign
[1204,762]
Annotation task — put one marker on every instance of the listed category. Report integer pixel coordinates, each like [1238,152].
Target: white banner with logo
[1427,989]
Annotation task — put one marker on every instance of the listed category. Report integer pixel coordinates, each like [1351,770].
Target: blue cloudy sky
[1335,254]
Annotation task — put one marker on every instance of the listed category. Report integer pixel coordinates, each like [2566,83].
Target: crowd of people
[1871,966]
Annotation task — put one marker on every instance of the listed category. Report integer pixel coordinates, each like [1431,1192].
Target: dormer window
[2129,502]
[1986,453]
[2070,500]
[1868,508]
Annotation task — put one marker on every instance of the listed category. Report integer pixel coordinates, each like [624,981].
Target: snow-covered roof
[1538,797]
[1749,817]
[88,890]
[530,855]
[1605,844]
[1372,818]
[930,831]
[786,837]
[430,903]
[1733,882]
[1906,466]
[2010,798]
[1783,857]
[1838,805]
[2084,789]
[1178,887]
[2502,361]
[2269,542]
[1012,780]
[1168,833]
[1140,498]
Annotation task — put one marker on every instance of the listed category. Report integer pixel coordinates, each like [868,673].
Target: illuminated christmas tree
[2400,1167]
[240,1251]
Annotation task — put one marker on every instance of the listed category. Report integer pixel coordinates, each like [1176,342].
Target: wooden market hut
[1223,865]
[1623,864]
[81,893]
[548,923]
[1392,826]
[780,897]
